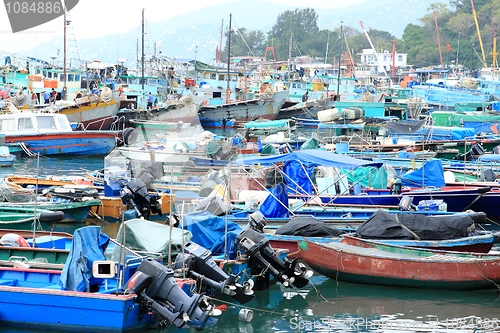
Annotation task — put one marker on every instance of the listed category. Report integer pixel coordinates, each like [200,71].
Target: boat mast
[228,92]
[340,61]
[142,62]
[289,62]
[64,70]
[373,48]
[478,34]
[439,44]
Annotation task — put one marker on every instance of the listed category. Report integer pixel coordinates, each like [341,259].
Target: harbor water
[325,305]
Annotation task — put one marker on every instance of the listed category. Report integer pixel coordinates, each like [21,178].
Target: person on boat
[151,100]
[53,95]
[78,94]
[305,97]
[46,96]
[63,93]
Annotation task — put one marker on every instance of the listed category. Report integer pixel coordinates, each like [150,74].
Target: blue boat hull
[70,143]
[31,299]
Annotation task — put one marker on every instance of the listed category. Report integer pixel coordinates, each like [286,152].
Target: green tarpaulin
[143,235]
[377,178]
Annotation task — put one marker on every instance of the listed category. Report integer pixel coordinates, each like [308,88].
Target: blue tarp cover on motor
[89,244]
[298,176]
[271,208]
[208,231]
[438,134]
[320,157]
[433,175]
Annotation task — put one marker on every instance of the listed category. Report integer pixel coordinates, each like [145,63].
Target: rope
[487,277]
[26,150]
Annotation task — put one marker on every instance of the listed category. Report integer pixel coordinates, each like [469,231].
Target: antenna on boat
[36,198]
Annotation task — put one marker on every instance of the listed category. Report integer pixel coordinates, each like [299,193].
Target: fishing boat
[51,134]
[363,261]
[6,158]
[267,106]
[100,295]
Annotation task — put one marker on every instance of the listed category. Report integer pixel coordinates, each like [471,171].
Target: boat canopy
[267,124]
[319,157]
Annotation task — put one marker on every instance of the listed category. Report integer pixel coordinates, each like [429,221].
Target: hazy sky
[92,18]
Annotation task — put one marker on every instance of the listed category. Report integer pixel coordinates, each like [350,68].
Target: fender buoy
[129,136]
[55,216]
[206,103]
[15,240]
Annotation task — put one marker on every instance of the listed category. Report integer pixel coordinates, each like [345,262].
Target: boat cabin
[33,122]
[54,78]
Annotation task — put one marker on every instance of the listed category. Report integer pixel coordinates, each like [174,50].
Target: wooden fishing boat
[104,206]
[477,244]
[362,261]
[51,134]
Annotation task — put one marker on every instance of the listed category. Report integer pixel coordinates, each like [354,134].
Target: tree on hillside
[245,43]
[461,23]
[301,23]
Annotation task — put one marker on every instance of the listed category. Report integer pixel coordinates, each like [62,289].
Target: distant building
[384,61]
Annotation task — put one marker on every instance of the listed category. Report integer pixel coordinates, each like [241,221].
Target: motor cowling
[262,256]
[158,292]
[200,265]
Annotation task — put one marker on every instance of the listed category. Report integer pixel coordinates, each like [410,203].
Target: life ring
[14,239]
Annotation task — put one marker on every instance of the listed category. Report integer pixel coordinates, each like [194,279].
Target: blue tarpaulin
[271,208]
[208,231]
[490,158]
[484,127]
[431,174]
[319,157]
[88,246]
[299,176]
[438,134]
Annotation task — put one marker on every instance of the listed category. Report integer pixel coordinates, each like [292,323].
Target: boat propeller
[262,257]
[200,265]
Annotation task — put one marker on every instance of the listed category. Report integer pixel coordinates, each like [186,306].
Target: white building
[384,61]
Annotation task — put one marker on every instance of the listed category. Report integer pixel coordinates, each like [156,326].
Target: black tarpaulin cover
[405,127]
[384,225]
[308,226]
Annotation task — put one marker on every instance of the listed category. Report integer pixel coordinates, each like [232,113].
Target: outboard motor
[261,258]
[135,194]
[158,292]
[396,187]
[201,266]
[406,204]
[257,222]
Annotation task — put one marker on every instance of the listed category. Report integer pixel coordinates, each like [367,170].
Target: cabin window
[8,125]
[61,77]
[62,124]
[213,76]
[46,122]
[132,81]
[222,77]
[25,123]
[206,76]
[77,77]
[45,73]
[49,75]
[234,77]
[71,77]
[38,71]
[152,82]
